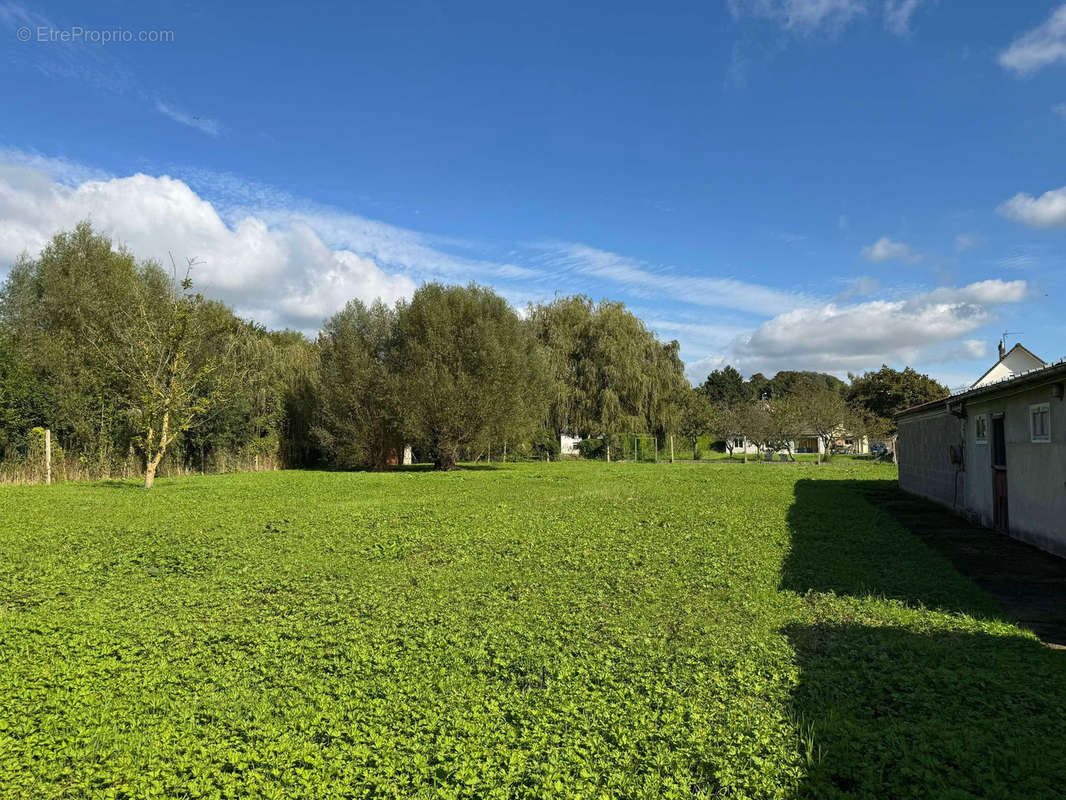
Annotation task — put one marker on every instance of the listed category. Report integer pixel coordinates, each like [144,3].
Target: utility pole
[48,456]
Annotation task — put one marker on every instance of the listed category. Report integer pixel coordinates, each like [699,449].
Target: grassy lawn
[572,629]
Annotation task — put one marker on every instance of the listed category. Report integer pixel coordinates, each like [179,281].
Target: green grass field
[541,630]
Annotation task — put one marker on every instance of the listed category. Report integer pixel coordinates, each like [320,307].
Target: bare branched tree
[166,348]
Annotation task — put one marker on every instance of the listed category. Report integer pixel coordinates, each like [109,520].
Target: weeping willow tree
[610,374]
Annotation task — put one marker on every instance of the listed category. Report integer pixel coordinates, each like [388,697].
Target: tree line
[136,373]
[774,413]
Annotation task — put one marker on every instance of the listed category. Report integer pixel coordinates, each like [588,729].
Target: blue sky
[824,184]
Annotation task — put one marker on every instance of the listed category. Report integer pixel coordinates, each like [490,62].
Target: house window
[1040,422]
[738,443]
[981,428]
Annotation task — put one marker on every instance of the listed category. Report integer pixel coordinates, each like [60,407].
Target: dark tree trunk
[446,458]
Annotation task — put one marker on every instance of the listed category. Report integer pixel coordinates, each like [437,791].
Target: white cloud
[802,16]
[885,249]
[898,15]
[1038,48]
[204,124]
[281,274]
[644,279]
[990,292]
[925,328]
[422,255]
[1046,211]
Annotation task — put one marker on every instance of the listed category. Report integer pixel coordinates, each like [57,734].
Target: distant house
[843,442]
[568,445]
[1017,360]
[996,451]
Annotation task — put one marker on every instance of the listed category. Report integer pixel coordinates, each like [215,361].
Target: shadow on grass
[887,712]
[841,543]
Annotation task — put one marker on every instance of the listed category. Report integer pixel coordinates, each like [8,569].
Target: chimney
[1002,349]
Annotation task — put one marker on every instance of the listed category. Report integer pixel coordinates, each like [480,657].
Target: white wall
[568,445]
[1015,362]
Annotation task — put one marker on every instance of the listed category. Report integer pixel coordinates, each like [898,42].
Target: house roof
[1033,376]
[1017,347]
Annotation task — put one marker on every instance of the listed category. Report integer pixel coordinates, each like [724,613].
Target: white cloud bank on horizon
[1046,211]
[1038,48]
[926,328]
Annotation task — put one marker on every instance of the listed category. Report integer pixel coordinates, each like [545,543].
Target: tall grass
[30,469]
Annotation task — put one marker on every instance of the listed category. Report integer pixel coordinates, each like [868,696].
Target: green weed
[537,630]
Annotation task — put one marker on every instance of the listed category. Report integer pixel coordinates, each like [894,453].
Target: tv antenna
[1009,333]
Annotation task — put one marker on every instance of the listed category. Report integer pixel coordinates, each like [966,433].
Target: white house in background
[995,452]
[843,442]
[1013,362]
[568,445]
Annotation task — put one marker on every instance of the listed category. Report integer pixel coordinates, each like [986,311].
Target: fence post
[48,456]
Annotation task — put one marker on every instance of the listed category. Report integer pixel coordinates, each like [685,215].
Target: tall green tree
[886,392]
[724,387]
[359,423]
[19,411]
[792,382]
[760,387]
[468,369]
[45,305]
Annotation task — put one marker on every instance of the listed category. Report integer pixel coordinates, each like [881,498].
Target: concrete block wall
[924,455]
